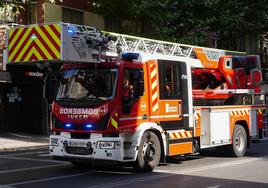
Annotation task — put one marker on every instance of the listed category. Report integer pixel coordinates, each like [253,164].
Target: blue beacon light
[89,126]
[71,31]
[68,125]
[130,56]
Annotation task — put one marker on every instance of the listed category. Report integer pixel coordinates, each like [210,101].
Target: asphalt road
[34,168]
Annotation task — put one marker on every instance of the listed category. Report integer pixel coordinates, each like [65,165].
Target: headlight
[54,141]
[109,144]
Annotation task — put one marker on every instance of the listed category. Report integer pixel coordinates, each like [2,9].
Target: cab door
[173,95]
[134,107]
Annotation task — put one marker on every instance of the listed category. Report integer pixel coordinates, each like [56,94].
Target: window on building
[72,16]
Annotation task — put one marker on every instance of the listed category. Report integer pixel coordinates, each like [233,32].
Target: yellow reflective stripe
[35,52]
[114,123]
[57,26]
[44,50]
[20,43]
[11,43]
[51,32]
[29,54]
[48,42]
[23,50]
[11,31]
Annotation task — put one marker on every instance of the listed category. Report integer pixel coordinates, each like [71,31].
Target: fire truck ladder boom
[132,43]
[114,43]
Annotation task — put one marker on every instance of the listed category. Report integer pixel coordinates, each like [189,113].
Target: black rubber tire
[240,141]
[149,152]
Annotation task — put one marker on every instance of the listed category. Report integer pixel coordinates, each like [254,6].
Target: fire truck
[136,100]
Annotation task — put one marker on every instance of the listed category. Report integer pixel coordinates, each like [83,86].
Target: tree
[117,11]
[11,8]
[190,21]
[237,19]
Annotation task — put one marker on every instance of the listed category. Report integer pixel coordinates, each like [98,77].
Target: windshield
[87,84]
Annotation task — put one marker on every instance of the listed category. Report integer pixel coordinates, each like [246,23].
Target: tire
[149,152]
[240,141]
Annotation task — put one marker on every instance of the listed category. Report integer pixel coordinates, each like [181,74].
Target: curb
[11,142]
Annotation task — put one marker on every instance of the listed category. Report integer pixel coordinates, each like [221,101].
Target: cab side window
[128,84]
[132,88]
[169,81]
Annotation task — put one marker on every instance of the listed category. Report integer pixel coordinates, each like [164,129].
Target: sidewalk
[20,141]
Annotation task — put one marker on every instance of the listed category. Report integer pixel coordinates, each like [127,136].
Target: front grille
[79,150]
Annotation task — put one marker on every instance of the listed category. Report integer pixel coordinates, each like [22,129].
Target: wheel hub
[239,141]
[150,152]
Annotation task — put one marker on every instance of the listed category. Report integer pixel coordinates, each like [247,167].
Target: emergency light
[130,56]
[71,31]
[68,125]
[89,126]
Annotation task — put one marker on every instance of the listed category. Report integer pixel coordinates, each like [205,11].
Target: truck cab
[103,110]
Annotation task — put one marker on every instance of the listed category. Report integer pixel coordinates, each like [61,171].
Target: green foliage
[20,3]
[189,21]
[10,9]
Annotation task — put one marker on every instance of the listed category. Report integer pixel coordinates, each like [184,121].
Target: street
[34,168]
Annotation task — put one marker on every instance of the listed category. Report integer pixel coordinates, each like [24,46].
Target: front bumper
[97,147]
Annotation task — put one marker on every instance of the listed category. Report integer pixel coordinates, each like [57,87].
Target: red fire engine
[136,100]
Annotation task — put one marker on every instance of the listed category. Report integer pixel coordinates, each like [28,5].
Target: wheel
[149,152]
[239,146]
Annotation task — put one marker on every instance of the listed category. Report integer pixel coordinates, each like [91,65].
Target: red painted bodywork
[111,107]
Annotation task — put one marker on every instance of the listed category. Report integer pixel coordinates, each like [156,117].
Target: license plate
[76,144]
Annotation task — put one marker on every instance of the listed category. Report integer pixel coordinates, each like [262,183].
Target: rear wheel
[149,152]
[239,146]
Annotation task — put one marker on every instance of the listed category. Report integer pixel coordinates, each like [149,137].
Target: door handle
[144,116]
[180,109]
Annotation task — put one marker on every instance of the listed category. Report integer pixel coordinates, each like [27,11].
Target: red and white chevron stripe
[153,76]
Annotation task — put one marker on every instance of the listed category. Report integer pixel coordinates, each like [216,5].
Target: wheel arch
[153,127]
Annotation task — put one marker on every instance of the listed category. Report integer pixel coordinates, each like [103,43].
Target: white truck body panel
[253,119]
[215,128]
